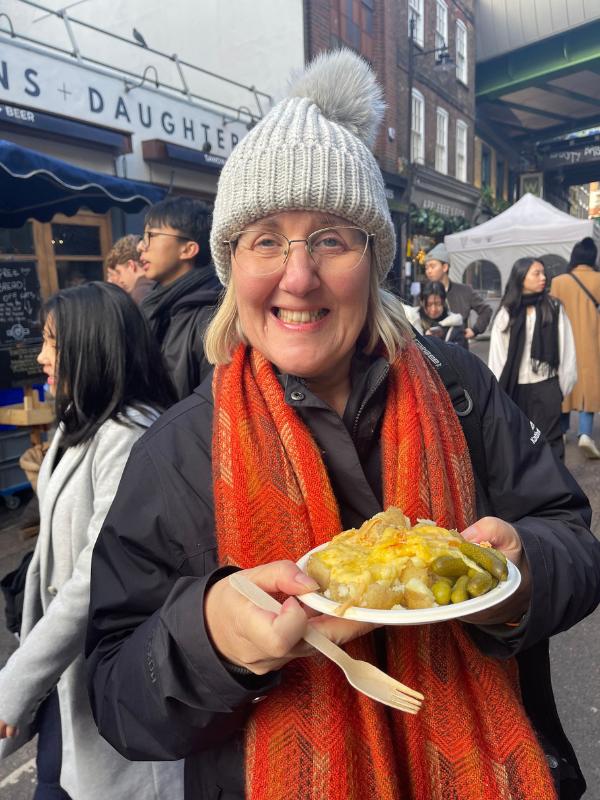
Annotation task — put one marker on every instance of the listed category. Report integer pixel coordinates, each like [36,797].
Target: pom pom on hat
[311,153]
[345,90]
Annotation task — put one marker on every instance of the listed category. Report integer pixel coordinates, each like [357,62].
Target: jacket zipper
[381,379]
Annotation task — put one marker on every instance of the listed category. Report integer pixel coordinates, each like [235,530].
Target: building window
[486,166]
[500,167]
[417,137]
[441,141]
[461,150]
[356,26]
[462,65]
[415,11]
[441,24]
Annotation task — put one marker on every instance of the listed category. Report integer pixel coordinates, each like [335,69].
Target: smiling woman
[323,410]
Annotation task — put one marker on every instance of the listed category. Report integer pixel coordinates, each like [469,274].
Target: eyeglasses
[147,237]
[260,252]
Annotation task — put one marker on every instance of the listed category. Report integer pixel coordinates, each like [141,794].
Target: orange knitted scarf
[314,737]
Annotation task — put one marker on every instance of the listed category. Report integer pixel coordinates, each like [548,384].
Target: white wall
[254,42]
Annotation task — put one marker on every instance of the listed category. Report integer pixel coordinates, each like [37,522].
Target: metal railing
[133,79]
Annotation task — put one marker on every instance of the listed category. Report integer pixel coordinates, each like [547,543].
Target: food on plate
[387,563]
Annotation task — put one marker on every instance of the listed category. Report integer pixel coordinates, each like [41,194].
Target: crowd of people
[232,406]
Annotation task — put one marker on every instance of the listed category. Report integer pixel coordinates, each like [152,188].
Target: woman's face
[47,357]
[433,306]
[305,320]
[535,279]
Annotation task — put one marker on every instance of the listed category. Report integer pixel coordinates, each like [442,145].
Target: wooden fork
[363,676]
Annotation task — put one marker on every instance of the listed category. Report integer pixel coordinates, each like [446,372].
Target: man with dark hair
[174,252]
[461,298]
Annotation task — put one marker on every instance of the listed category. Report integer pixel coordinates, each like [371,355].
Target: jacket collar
[48,491]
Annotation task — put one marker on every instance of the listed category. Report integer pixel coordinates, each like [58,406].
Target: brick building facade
[443,118]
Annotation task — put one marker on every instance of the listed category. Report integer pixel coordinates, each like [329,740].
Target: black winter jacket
[158,688]
[178,315]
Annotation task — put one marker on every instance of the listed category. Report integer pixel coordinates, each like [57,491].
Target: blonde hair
[123,250]
[386,324]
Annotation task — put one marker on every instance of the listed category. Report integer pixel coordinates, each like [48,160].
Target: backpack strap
[465,405]
[586,290]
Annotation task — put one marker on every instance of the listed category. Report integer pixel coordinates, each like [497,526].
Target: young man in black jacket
[174,253]
[461,298]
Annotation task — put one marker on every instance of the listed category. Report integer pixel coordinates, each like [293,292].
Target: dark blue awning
[33,185]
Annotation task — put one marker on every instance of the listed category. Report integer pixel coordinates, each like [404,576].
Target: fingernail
[306,580]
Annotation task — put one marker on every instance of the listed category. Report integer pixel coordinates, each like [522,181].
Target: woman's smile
[304,319]
[299,319]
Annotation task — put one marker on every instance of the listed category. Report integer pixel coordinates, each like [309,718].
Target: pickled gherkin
[449,566]
[479,584]
[459,593]
[442,590]
[485,558]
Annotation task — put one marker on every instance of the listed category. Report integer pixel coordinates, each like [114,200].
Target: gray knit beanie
[438,253]
[311,152]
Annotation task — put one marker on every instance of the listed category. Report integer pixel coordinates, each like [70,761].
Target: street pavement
[575,653]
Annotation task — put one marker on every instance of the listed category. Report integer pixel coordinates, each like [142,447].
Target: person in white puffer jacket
[433,317]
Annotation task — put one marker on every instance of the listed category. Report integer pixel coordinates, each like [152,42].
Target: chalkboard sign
[20,330]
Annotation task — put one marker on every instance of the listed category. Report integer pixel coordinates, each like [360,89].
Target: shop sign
[20,336]
[571,157]
[45,82]
[446,209]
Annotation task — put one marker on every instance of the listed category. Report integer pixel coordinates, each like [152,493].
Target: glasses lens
[264,252]
[339,248]
[259,252]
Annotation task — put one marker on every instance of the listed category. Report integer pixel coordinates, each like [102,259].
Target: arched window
[484,276]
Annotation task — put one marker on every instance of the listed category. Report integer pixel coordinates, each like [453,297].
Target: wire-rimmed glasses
[261,252]
[147,236]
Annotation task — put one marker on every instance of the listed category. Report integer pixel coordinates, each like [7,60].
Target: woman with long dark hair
[109,383]
[532,352]
[435,318]
[579,291]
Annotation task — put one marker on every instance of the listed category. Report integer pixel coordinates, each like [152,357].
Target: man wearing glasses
[461,298]
[174,253]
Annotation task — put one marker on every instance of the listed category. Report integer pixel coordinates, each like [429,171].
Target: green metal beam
[537,63]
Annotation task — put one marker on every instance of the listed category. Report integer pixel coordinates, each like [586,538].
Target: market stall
[530,227]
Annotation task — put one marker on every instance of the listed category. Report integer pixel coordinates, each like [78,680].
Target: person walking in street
[109,384]
[579,291]
[174,253]
[532,350]
[123,268]
[321,411]
[461,298]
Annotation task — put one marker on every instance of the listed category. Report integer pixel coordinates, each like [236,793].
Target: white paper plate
[416,616]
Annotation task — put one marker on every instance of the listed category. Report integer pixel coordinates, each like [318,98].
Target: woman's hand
[504,537]
[7,731]
[262,641]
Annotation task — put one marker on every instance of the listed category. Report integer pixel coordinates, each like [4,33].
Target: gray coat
[74,500]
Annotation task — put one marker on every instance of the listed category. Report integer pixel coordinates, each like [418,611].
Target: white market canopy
[530,227]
